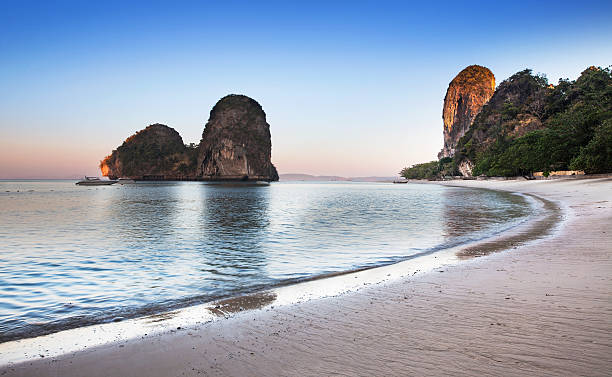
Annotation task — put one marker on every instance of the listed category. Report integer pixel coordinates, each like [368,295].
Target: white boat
[95,181]
[123,181]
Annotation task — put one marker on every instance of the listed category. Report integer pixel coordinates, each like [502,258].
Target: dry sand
[544,308]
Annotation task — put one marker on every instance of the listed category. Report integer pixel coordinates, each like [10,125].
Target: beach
[542,307]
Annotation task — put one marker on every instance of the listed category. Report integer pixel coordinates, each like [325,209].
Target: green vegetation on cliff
[156,150]
[431,170]
[529,126]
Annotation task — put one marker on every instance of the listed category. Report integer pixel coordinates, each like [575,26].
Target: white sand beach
[540,308]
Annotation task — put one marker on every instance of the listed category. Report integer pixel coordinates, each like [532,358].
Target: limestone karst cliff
[236,142]
[235,145]
[530,127]
[516,108]
[154,152]
[465,96]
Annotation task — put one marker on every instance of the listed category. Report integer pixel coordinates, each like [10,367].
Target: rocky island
[235,145]
[156,152]
[236,142]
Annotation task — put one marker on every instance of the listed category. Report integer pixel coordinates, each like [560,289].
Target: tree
[596,156]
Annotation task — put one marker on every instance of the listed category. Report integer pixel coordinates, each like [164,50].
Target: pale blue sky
[350,88]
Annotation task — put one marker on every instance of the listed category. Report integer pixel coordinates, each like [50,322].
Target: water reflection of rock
[142,215]
[468,211]
[234,223]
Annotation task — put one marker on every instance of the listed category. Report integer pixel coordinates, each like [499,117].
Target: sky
[349,88]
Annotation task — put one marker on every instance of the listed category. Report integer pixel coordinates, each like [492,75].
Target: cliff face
[516,108]
[236,142]
[531,126]
[157,151]
[466,95]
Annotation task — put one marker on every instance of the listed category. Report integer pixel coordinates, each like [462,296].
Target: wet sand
[540,308]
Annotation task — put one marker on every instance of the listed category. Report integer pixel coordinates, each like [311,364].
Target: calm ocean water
[71,255]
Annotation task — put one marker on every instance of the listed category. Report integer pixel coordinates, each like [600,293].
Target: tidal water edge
[72,256]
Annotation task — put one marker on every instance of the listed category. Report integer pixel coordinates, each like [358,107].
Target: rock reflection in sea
[72,256]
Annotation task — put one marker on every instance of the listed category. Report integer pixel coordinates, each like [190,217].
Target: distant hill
[373,179]
[328,178]
[308,177]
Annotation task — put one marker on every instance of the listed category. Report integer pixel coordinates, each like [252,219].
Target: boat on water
[124,181]
[95,181]
[400,181]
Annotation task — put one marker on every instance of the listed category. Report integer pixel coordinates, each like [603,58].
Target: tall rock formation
[236,142]
[466,95]
[157,152]
[517,107]
[235,145]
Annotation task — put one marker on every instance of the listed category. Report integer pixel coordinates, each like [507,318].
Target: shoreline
[64,365]
[158,309]
[185,310]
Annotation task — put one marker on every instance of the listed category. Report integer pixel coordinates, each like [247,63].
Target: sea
[72,256]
